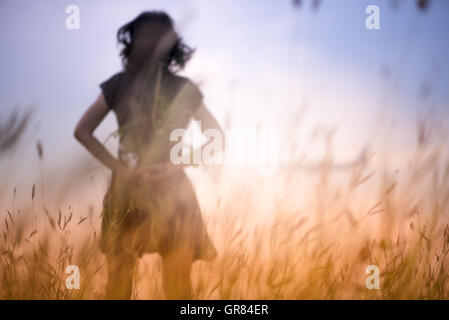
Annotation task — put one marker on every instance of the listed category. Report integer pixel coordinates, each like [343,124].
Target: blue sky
[258,61]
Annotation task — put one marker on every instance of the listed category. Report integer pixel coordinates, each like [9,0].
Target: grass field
[317,243]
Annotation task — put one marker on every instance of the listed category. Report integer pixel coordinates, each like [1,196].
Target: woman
[150,205]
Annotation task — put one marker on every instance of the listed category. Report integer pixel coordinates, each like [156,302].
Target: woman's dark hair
[177,55]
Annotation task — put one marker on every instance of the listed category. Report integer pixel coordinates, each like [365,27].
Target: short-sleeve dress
[162,216]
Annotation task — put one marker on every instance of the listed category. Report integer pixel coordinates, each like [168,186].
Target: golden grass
[316,244]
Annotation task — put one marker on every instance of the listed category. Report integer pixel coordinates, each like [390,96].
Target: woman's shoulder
[114,79]
[111,88]
[188,86]
[182,79]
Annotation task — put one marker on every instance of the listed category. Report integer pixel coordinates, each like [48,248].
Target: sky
[257,62]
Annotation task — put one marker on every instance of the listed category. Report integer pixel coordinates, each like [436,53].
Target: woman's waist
[134,158]
[140,176]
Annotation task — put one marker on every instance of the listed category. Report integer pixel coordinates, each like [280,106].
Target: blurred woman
[150,205]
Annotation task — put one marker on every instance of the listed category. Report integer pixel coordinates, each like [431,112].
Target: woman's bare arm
[208,121]
[84,134]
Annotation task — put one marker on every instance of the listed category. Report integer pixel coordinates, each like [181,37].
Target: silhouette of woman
[150,205]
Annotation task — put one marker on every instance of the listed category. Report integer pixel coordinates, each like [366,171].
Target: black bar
[229,309]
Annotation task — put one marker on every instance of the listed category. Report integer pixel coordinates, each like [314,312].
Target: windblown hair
[177,56]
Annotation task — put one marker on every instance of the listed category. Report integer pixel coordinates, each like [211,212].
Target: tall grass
[317,243]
